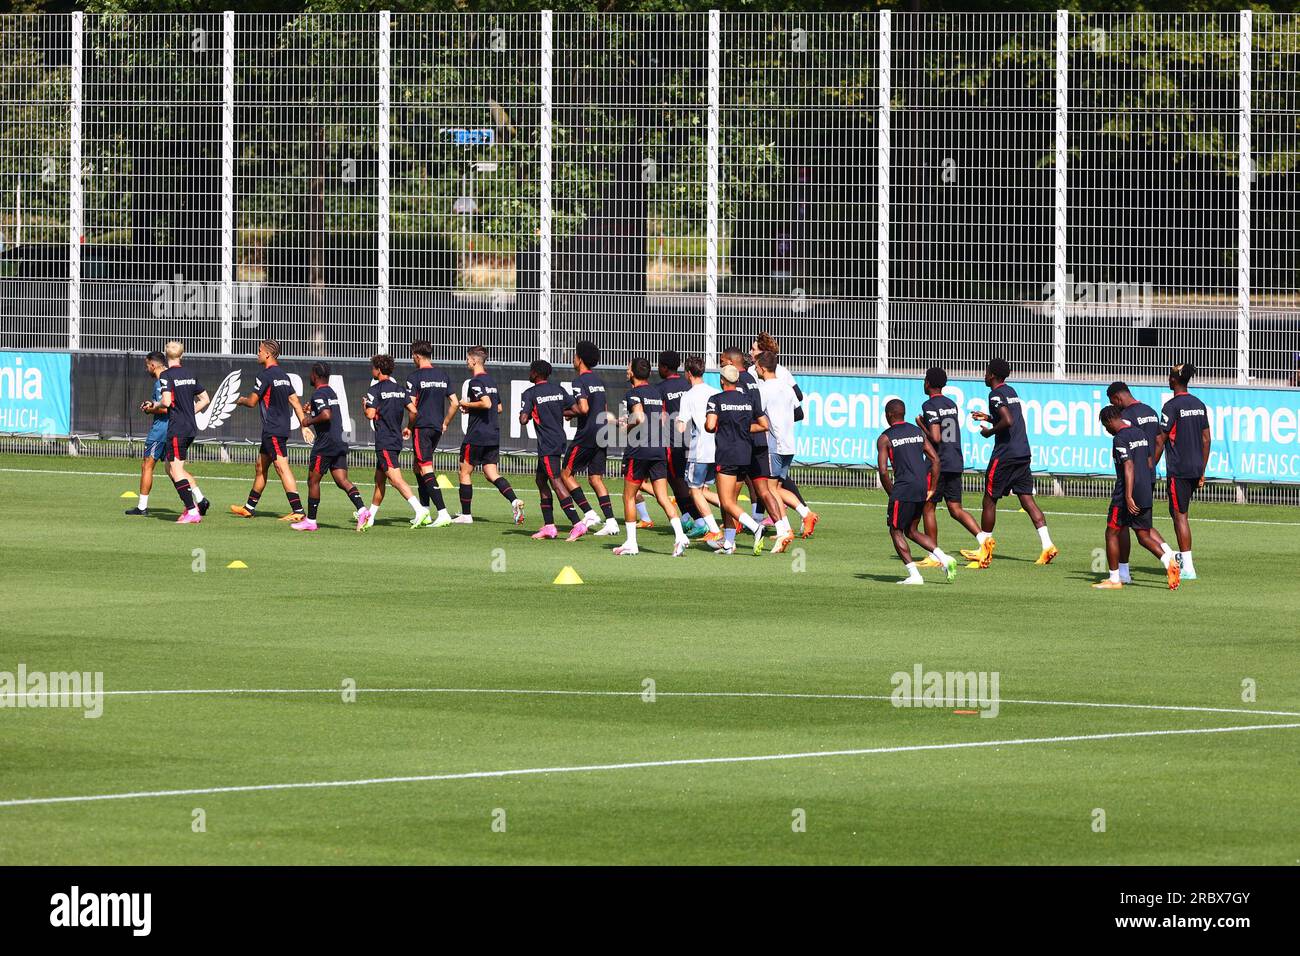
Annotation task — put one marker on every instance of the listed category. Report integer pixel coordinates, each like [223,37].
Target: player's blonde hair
[174,349]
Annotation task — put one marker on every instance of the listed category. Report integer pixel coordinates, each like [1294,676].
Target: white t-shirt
[778,403]
[783,375]
[692,410]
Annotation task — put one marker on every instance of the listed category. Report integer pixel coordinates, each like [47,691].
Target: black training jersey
[1145,418]
[484,427]
[645,442]
[589,385]
[734,443]
[1184,418]
[273,389]
[750,385]
[907,458]
[942,411]
[184,389]
[672,389]
[329,434]
[429,388]
[389,399]
[544,404]
[1131,445]
[1012,444]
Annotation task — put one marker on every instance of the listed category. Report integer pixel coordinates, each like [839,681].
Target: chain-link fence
[1088,194]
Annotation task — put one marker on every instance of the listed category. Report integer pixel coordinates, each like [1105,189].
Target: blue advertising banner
[1255,431]
[36,393]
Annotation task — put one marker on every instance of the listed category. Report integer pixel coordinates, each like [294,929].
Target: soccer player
[1130,503]
[700,469]
[733,418]
[672,386]
[1185,431]
[788,491]
[273,396]
[905,449]
[543,404]
[482,444]
[1008,470]
[155,443]
[1145,418]
[761,489]
[385,402]
[646,456]
[329,450]
[779,403]
[586,453]
[430,391]
[183,398]
[939,421]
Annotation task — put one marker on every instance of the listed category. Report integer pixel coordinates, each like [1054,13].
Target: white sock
[939,556]
[783,526]
[711,522]
[750,525]
[1114,575]
[1187,560]
[414,502]
[143,504]
[642,513]
[194,490]
[1167,558]
[374,510]
[677,527]
[1123,572]
[982,537]
[803,510]
[913,574]
[1044,537]
[1164,548]
[631,534]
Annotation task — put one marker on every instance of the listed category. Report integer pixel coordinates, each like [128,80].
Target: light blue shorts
[700,473]
[780,464]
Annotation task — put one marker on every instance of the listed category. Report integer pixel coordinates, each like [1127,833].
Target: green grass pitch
[730,644]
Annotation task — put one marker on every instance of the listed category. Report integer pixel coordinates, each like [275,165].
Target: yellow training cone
[445,483]
[127,494]
[237,565]
[743,498]
[567,576]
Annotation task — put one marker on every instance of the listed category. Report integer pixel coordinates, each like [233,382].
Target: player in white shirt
[700,471]
[786,488]
[778,403]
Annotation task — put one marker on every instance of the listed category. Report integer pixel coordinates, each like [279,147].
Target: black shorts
[676,462]
[579,459]
[549,466]
[901,514]
[388,458]
[274,446]
[321,462]
[760,466]
[644,469]
[739,472]
[1008,478]
[177,448]
[424,441]
[1180,495]
[478,455]
[949,487]
[1120,517]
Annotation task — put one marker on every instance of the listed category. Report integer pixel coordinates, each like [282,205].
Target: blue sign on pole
[36,393]
[470,137]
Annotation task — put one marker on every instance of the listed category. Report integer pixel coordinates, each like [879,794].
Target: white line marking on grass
[820,504]
[522,691]
[631,765]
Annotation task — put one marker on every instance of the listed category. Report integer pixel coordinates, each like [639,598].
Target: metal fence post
[712,159]
[382,187]
[1060,273]
[227,182]
[544,193]
[76,205]
[882,202]
[1245,173]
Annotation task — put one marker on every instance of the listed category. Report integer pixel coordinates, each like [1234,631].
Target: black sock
[605,507]
[357,501]
[312,505]
[253,498]
[566,505]
[422,489]
[580,499]
[295,503]
[183,489]
[789,485]
[503,486]
[429,491]
[548,510]
[466,498]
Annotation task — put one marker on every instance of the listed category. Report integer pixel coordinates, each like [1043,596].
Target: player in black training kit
[586,453]
[543,406]
[1145,418]
[1130,504]
[1009,468]
[762,488]
[431,410]
[733,416]
[645,456]
[323,427]
[941,422]
[1185,431]
[183,398]
[906,451]
[385,404]
[273,396]
[482,445]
